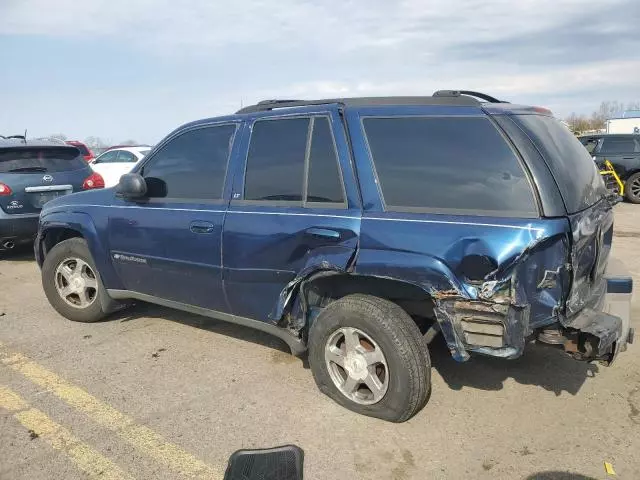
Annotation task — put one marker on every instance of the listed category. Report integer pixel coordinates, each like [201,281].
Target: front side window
[447,165]
[282,150]
[192,165]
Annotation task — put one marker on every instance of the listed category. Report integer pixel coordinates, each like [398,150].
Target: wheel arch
[57,227]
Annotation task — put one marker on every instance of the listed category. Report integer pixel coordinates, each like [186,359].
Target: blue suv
[358,229]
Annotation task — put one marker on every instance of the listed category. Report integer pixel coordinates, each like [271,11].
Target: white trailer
[629,122]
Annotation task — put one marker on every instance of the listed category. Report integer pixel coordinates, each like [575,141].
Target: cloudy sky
[124,69]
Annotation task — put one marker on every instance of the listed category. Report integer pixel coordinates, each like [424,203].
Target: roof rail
[469,93]
[441,97]
[266,105]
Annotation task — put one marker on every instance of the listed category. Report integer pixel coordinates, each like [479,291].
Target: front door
[290,213]
[169,244]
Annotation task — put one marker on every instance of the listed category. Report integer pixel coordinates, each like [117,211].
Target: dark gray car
[31,174]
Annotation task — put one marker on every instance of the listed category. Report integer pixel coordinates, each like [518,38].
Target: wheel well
[414,300]
[56,235]
[632,172]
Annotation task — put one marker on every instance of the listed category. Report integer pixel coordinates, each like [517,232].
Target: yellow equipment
[611,178]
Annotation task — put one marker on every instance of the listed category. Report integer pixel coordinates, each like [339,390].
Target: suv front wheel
[71,281]
[368,355]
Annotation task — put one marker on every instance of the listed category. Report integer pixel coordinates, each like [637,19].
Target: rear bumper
[602,333]
[17,228]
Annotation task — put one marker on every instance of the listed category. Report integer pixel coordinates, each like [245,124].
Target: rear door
[590,215]
[35,175]
[294,210]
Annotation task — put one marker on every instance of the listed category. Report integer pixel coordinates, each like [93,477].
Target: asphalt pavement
[153,393]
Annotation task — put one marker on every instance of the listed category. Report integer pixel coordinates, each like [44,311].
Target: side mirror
[132,185]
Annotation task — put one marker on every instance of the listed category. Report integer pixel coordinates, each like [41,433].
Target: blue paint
[253,257]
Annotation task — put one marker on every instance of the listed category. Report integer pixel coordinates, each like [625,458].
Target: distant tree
[59,136]
[95,143]
[128,142]
[598,119]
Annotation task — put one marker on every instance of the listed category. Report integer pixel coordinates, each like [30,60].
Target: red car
[86,152]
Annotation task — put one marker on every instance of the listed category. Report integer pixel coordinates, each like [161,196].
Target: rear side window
[275,162]
[282,150]
[575,171]
[324,183]
[42,159]
[192,165]
[619,145]
[448,165]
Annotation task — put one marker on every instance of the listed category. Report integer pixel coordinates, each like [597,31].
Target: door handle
[628,158]
[202,227]
[323,233]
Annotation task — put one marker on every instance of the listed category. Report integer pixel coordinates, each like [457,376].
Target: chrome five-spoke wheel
[357,365]
[76,282]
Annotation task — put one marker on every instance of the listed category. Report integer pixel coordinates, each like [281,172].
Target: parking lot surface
[155,393]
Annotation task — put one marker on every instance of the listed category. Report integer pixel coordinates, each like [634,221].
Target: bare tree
[59,136]
[95,143]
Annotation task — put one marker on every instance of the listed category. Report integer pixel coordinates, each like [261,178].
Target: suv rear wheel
[72,283]
[632,188]
[368,355]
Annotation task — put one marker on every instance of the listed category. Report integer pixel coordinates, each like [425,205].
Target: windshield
[575,172]
[40,159]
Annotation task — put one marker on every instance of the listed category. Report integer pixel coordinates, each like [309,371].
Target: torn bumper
[602,333]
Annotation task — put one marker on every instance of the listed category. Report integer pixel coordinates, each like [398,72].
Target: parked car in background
[32,173]
[114,163]
[86,152]
[623,151]
[345,226]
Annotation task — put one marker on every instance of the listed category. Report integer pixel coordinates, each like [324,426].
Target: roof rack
[469,93]
[441,97]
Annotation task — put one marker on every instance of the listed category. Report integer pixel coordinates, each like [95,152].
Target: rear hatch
[590,214]
[36,174]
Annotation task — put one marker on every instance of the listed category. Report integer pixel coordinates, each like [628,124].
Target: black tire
[632,188]
[403,346]
[72,248]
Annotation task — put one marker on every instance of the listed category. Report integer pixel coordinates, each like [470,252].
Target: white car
[115,162]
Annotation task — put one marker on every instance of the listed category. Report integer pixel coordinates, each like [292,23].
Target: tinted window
[82,148]
[618,145]
[192,165]
[448,164]
[49,159]
[275,162]
[108,157]
[573,168]
[126,157]
[324,184]
[589,143]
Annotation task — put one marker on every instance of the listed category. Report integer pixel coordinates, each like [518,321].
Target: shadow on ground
[142,310]
[540,365]
[20,253]
[558,476]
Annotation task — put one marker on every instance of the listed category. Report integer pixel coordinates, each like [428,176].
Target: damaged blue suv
[358,229]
